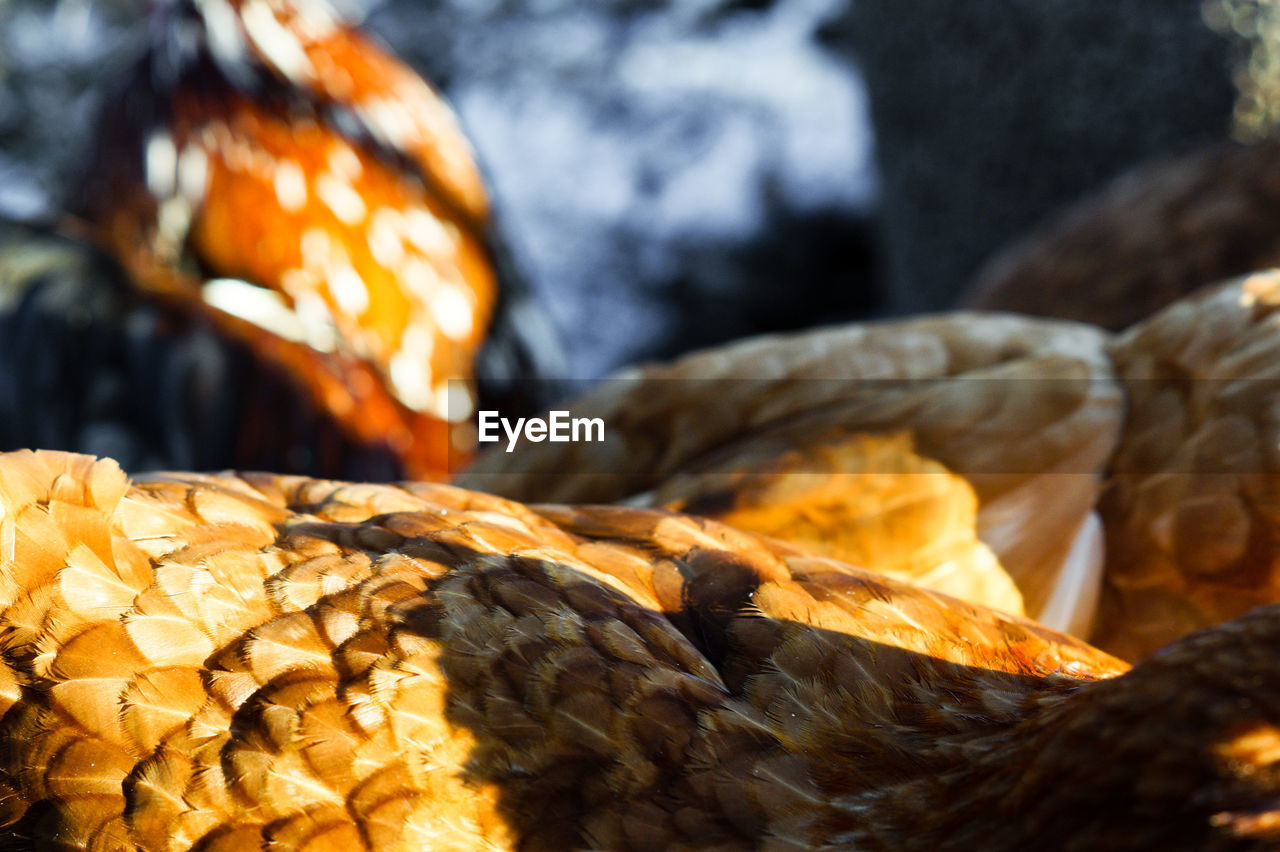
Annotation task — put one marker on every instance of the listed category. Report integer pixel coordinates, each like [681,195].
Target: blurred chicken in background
[266,141]
[306,198]
[699,169]
[87,360]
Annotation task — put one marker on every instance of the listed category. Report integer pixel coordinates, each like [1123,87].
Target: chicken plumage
[1190,506]
[1028,411]
[260,661]
[1153,236]
[1170,427]
[241,660]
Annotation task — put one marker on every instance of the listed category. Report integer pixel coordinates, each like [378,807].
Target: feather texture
[1027,411]
[1189,505]
[864,500]
[428,667]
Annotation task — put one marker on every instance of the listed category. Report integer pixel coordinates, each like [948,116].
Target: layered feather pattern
[255,661]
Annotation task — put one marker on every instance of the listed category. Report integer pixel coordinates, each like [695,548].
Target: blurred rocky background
[673,174]
[992,114]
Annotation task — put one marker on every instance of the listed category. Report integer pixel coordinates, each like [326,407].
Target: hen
[1193,535]
[259,661]
[1165,437]
[1027,411]
[1155,235]
[298,189]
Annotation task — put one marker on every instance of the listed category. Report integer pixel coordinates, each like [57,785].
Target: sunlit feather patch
[308,45]
[266,309]
[346,239]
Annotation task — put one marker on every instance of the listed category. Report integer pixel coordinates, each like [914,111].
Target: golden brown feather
[1190,505]
[1026,410]
[863,500]
[251,661]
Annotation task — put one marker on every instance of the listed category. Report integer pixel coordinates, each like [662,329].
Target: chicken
[1190,506]
[238,661]
[1155,235]
[272,162]
[1165,438]
[163,380]
[1027,411]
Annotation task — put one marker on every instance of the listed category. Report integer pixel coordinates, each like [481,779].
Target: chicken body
[1164,437]
[275,168]
[236,662]
[1193,536]
[1153,236]
[1027,411]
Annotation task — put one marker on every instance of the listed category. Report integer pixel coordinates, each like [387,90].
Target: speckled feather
[163,383]
[1191,503]
[274,662]
[1027,410]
